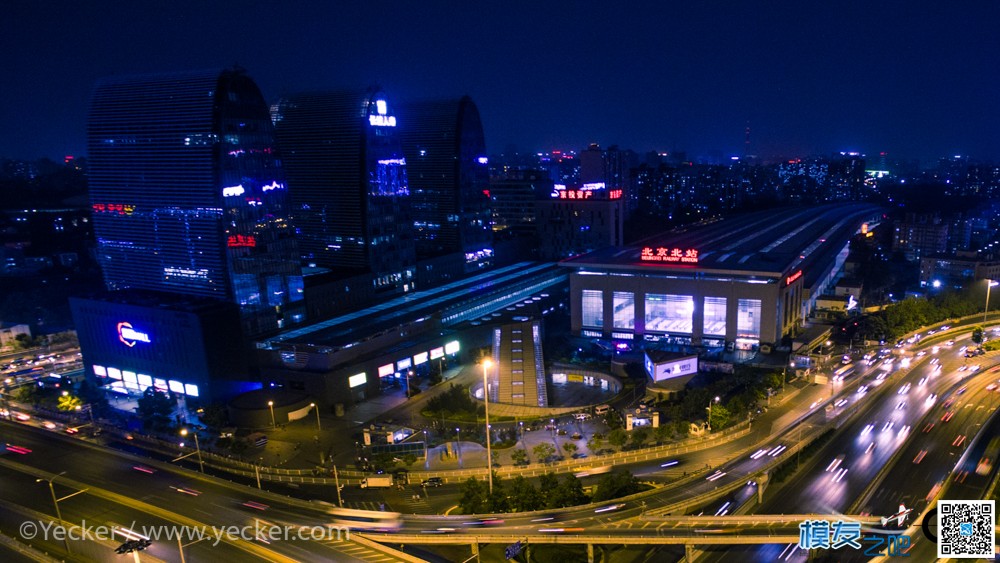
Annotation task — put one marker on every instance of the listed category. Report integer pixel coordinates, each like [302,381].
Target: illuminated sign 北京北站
[129,336]
[672,255]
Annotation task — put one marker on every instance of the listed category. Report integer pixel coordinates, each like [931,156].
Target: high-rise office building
[446,166]
[188,193]
[347,179]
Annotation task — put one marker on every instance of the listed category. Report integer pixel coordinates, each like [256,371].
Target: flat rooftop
[768,243]
[419,306]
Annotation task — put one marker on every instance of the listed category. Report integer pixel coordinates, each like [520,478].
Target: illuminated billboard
[356,380]
[673,255]
[451,347]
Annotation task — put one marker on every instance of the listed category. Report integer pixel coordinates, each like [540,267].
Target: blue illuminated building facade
[348,182]
[449,181]
[189,195]
[133,340]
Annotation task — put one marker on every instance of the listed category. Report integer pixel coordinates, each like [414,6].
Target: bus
[376,520]
[989,457]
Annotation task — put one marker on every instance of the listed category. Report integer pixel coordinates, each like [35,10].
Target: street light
[710,414]
[408,374]
[318,427]
[989,283]
[458,446]
[55,501]
[197,447]
[270,405]
[487,364]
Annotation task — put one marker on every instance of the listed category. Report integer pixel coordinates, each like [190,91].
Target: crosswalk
[355,552]
[369,505]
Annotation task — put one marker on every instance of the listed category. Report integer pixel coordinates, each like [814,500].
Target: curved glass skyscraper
[447,168]
[348,182]
[189,195]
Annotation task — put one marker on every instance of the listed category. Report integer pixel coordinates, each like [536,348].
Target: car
[255,505]
[958,441]
[963,368]
[962,390]
[72,430]
[835,463]
[922,381]
[921,353]
[21,450]
[949,402]
[579,455]
[868,428]
[49,424]
[840,403]
[581,416]
[432,482]
[562,432]
[991,386]
[904,389]
[931,398]
[920,456]
[870,448]
[144,469]
[929,427]
[901,405]
[576,436]
[862,390]
[887,427]
[947,416]
[186,491]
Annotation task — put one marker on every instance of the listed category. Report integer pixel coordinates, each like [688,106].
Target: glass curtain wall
[593,308]
[669,313]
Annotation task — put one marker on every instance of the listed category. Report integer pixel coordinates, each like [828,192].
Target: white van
[601,410]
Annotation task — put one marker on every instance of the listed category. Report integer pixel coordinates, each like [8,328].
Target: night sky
[917,79]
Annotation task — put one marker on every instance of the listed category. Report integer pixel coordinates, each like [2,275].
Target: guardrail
[582,538]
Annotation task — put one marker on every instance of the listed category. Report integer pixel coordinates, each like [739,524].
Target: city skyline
[812,80]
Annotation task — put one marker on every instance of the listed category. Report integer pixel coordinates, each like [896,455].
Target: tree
[568,493]
[720,417]
[524,497]
[547,484]
[544,451]
[978,335]
[661,433]
[594,444]
[681,428]
[639,436]
[616,484]
[497,499]
[618,437]
[474,493]
[216,415]
[69,403]
[519,457]
[155,408]
[570,448]
[30,394]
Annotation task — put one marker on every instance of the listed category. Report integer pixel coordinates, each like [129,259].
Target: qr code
[966,529]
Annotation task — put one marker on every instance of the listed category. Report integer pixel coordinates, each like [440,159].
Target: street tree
[474,496]
[570,448]
[978,335]
[519,457]
[618,437]
[594,444]
[616,484]
[524,497]
[639,436]
[544,451]
[69,403]
[568,493]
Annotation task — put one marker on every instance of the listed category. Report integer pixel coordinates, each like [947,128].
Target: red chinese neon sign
[615,194]
[241,241]
[575,194]
[791,279]
[664,254]
[116,208]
